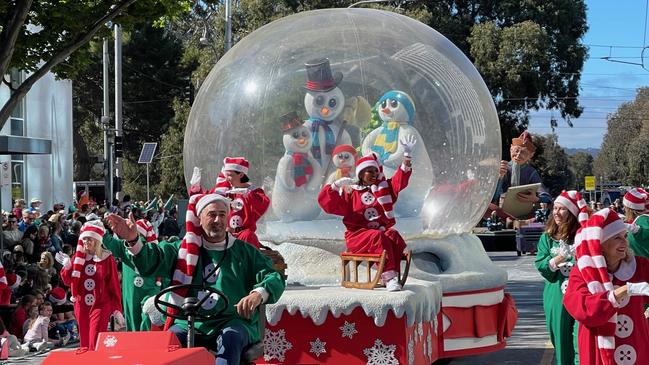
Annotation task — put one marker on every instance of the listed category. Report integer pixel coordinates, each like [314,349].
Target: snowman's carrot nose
[324,110]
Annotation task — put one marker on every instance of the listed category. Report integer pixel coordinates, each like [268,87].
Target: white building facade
[46,113]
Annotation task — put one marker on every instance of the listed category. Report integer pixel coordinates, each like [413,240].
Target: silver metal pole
[118,101]
[108,181]
[228,25]
[147,182]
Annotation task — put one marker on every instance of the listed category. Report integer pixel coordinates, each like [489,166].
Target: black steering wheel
[191,305]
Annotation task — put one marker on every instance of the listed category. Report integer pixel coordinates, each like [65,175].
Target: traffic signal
[119,147]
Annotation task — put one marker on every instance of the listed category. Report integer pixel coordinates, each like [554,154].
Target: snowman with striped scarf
[324,103]
[298,176]
[396,110]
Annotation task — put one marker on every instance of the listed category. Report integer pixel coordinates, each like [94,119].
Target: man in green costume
[555,260]
[135,287]
[208,256]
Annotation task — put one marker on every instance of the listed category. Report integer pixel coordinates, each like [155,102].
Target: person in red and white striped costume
[607,294]
[366,208]
[145,229]
[92,277]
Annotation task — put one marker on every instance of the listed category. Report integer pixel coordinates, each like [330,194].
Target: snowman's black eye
[296,135]
[319,100]
[384,104]
[305,134]
[332,103]
[394,103]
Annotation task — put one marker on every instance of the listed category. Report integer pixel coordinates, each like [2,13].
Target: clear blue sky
[604,84]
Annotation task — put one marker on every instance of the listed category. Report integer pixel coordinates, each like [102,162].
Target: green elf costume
[234,267]
[638,235]
[135,287]
[562,328]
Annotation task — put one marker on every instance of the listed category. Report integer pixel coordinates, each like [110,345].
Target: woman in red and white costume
[249,202]
[607,294]
[366,209]
[92,278]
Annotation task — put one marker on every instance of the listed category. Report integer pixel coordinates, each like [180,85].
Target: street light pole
[105,123]
[118,104]
[228,25]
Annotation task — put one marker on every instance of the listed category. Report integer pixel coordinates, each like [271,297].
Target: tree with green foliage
[551,162]
[40,36]
[581,165]
[619,148]
[171,151]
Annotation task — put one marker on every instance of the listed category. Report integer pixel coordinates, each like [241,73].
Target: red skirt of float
[428,326]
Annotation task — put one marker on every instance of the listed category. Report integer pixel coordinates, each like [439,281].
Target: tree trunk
[10,32]
[82,163]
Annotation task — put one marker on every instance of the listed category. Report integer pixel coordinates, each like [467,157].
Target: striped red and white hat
[600,227]
[145,228]
[573,201]
[367,161]
[635,199]
[381,188]
[643,191]
[93,229]
[239,164]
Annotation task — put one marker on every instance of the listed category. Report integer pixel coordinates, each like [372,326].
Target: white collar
[626,270]
[216,246]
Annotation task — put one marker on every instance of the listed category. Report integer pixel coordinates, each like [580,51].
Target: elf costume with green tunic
[242,269]
[638,236]
[135,287]
[562,327]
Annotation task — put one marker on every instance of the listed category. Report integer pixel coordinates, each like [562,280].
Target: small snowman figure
[344,160]
[297,181]
[396,110]
[324,103]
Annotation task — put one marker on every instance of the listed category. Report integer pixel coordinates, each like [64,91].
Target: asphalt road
[529,344]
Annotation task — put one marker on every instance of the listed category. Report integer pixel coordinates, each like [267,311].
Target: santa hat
[239,164]
[145,228]
[57,296]
[643,191]
[635,199]
[367,161]
[380,189]
[591,263]
[524,140]
[190,246]
[573,201]
[345,148]
[92,229]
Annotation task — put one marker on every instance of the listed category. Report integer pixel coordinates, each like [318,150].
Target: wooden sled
[350,278]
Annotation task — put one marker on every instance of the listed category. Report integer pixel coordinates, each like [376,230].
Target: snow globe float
[302,98]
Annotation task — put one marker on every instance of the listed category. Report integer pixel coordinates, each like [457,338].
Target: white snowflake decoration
[381,354]
[411,352]
[275,345]
[348,329]
[110,341]
[318,347]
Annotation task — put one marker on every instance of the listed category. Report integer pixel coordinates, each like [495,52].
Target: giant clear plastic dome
[241,110]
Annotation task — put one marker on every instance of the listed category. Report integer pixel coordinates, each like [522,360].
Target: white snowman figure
[297,181]
[396,110]
[324,103]
[344,161]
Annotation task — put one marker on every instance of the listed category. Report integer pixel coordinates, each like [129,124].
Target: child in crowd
[37,336]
